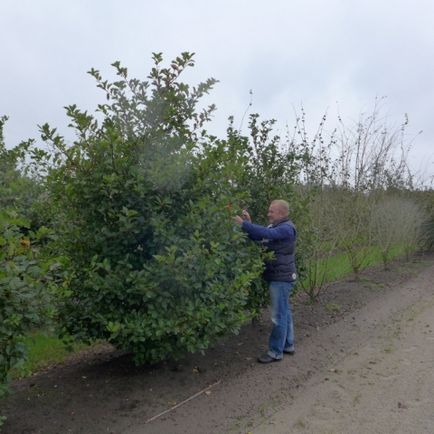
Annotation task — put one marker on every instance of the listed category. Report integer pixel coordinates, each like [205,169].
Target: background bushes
[26,284]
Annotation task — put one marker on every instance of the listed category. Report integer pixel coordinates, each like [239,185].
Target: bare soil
[377,331]
[385,386]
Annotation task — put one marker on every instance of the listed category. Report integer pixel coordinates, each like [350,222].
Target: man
[280,273]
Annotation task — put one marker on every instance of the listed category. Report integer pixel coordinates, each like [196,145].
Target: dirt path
[385,386]
[364,363]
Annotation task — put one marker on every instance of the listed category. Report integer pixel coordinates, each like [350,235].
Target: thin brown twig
[182,403]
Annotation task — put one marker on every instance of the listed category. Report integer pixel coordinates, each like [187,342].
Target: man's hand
[238,220]
[245,216]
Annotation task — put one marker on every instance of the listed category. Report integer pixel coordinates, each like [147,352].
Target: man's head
[277,211]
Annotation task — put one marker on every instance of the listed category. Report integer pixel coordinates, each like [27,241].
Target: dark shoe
[290,351]
[265,358]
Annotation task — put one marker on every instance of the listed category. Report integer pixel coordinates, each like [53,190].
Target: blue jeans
[282,334]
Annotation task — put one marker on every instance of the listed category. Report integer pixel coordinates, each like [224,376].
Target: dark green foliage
[25,290]
[140,204]
[16,191]
[19,192]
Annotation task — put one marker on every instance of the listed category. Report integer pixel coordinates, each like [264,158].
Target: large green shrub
[143,211]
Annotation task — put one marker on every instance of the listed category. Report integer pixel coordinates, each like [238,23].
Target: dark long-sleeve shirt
[258,232]
[279,238]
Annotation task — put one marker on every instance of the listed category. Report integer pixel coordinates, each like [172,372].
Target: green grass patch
[338,266]
[43,349]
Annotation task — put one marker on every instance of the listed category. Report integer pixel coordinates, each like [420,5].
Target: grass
[338,266]
[43,349]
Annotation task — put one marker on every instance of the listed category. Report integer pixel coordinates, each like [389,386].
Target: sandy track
[385,386]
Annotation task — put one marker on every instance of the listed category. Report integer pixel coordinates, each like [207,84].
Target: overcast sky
[310,52]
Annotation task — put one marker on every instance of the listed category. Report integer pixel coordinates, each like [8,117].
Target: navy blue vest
[282,267]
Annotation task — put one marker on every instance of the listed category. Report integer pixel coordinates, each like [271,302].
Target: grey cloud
[309,52]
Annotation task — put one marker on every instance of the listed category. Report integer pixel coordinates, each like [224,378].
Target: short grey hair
[283,204]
